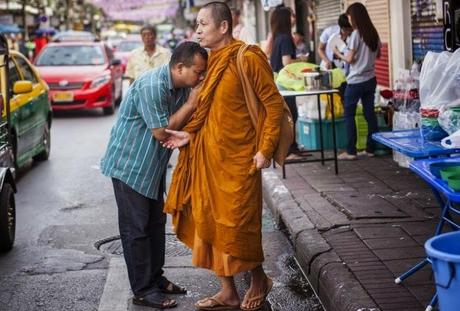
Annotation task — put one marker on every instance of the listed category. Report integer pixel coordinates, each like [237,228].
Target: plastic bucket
[444,253]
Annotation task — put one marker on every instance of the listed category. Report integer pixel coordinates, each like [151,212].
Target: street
[67,255]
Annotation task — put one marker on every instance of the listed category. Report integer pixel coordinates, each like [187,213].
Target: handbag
[257,113]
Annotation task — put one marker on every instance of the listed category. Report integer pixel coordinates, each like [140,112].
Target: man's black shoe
[155,300]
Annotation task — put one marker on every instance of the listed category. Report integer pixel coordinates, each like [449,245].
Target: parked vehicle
[72,35]
[7,184]
[125,48]
[81,75]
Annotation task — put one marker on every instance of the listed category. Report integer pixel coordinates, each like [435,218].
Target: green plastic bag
[291,76]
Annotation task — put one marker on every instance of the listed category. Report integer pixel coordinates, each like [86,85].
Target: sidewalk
[355,232]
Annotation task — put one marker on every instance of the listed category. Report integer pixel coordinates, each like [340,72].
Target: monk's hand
[176,139]
[260,161]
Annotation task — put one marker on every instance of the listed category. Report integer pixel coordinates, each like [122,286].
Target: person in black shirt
[283,49]
[283,53]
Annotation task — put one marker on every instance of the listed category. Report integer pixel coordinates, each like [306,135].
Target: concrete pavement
[355,232]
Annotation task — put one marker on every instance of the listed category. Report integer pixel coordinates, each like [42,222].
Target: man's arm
[181,117]
[322,54]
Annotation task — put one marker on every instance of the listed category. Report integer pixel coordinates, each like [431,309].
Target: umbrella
[46,31]
[10,28]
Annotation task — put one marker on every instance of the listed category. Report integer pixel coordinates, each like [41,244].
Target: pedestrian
[159,99]
[363,49]
[342,31]
[240,31]
[284,53]
[301,48]
[216,191]
[147,57]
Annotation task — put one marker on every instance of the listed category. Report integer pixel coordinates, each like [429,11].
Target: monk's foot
[222,298]
[254,298]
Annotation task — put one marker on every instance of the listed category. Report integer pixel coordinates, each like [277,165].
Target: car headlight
[99,81]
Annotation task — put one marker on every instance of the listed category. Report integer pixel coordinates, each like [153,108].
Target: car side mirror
[23,86]
[115,62]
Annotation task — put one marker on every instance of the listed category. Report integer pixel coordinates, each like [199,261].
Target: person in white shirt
[328,39]
[147,57]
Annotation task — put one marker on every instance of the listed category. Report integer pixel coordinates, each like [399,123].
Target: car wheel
[7,218]
[45,154]
[110,109]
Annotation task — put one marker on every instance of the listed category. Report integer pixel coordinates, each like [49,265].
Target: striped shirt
[133,154]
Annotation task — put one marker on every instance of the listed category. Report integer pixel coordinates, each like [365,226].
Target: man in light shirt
[240,31]
[150,56]
[330,35]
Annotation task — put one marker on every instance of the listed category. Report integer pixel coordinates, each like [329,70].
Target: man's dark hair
[185,53]
[150,28]
[343,21]
[220,12]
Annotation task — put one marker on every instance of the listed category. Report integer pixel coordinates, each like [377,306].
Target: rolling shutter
[327,14]
[427,30]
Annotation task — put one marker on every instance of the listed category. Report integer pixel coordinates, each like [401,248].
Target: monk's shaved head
[220,13]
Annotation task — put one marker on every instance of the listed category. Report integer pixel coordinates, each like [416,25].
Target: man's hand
[193,97]
[328,64]
[176,139]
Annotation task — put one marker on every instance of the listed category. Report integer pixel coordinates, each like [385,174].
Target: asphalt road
[65,207]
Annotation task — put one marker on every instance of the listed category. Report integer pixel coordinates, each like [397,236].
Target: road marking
[116,290]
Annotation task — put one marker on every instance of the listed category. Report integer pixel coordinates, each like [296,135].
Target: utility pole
[24,20]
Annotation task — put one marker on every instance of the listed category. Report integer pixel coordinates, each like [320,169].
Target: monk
[216,192]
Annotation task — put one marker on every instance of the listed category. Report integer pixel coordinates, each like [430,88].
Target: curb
[332,281]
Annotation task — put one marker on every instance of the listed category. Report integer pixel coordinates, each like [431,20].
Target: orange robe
[215,201]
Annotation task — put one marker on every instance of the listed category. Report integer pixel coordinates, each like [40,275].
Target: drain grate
[112,246]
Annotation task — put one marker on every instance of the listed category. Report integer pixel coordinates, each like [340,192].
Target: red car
[81,75]
[124,49]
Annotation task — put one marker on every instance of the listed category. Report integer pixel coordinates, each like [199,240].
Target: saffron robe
[215,194]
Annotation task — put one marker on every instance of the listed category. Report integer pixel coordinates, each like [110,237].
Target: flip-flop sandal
[215,304]
[172,288]
[260,299]
[161,303]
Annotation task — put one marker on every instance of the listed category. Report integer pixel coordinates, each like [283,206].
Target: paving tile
[369,232]
[419,228]
[400,253]
[358,206]
[390,242]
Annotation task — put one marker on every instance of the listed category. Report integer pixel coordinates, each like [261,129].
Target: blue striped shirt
[133,154]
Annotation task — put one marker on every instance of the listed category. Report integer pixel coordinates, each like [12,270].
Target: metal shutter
[327,14]
[427,30]
[379,14]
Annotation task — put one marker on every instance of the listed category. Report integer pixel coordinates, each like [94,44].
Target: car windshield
[71,55]
[127,46]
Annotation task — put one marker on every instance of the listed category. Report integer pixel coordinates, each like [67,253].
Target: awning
[138,10]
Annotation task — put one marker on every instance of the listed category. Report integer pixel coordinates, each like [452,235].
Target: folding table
[317,93]
[411,143]
[446,197]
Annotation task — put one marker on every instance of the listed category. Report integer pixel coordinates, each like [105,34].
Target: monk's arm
[264,86]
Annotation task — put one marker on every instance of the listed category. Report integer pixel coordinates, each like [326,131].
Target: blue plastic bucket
[444,253]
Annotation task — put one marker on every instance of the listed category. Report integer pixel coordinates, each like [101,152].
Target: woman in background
[363,49]
[283,52]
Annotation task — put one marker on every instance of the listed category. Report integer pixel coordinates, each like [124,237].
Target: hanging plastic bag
[452,141]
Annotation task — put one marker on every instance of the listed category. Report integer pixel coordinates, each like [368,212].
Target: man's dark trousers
[142,230]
